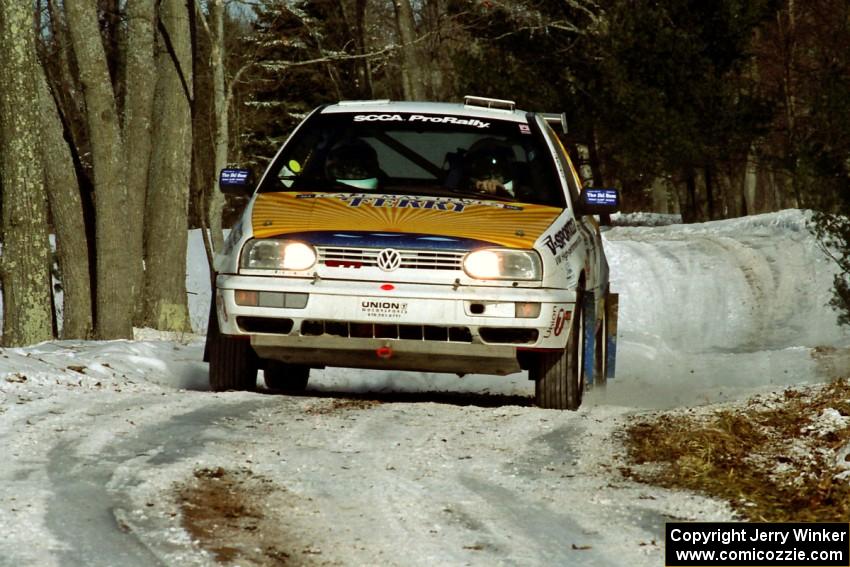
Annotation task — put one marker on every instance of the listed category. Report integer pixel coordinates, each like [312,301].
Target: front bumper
[423,327]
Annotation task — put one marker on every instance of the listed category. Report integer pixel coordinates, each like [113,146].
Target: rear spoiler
[556,120]
[491,103]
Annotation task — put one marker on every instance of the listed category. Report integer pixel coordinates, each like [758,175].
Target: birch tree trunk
[140,83]
[114,305]
[168,192]
[66,206]
[25,268]
[411,71]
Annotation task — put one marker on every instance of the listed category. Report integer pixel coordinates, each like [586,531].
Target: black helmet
[353,162]
[489,158]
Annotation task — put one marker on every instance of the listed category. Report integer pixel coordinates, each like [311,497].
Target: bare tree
[140,81]
[166,219]
[63,192]
[25,269]
[413,75]
[114,305]
[221,119]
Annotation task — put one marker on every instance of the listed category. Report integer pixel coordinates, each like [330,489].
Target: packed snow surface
[97,435]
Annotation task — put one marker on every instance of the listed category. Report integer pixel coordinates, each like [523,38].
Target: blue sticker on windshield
[601,196]
[234,176]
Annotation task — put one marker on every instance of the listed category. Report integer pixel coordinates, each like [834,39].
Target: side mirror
[233,181]
[593,201]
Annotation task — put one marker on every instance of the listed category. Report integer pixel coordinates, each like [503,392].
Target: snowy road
[101,440]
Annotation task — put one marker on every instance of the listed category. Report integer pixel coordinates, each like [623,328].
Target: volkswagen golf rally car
[416,236]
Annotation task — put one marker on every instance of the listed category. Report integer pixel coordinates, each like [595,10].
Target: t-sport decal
[555,242]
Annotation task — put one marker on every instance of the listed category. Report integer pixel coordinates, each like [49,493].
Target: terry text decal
[397,202]
[560,239]
[421,118]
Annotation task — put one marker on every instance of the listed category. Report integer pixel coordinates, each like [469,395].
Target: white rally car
[416,236]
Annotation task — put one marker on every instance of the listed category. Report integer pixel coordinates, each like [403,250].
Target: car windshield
[418,154]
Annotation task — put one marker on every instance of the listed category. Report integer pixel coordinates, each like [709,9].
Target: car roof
[454,109]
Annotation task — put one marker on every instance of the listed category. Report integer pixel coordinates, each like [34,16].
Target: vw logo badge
[389,259]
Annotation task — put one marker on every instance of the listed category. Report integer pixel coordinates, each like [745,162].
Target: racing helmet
[491,159]
[353,162]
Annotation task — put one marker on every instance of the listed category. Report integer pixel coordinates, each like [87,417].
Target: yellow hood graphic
[505,224]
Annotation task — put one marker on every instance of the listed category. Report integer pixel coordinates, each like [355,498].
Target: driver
[353,162]
[489,166]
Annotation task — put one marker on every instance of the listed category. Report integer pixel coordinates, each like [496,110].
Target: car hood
[514,225]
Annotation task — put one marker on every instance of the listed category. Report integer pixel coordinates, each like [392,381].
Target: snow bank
[712,309]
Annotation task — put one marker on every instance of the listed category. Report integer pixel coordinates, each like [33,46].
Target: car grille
[346,329]
[344,257]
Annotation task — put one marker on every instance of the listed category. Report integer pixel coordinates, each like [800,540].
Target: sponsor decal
[322,216]
[234,177]
[558,240]
[383,308]
[402,202]
[422,118]
[556,323]
[524,129]
[601,196]
[560,319]
[343,264]
[562,257]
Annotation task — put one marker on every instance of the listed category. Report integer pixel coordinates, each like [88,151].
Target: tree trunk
[25,270]
[63,80]
[221,117]
[63,195]
[114,306]
[660,196]
[709,191]
[750,183]
[691,212]
[168,193]
[367,87]
[411,71]
[140,82]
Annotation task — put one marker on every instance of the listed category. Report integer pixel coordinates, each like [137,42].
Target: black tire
[233,363]
[558,377]
[286,377]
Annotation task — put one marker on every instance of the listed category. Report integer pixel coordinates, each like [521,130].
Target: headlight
[503,264]
[271,254]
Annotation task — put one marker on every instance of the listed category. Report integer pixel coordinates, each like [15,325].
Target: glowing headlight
[270,254]
[503,264]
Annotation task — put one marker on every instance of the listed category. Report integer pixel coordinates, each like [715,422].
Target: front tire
[286,377]
[559,377]
[233,363]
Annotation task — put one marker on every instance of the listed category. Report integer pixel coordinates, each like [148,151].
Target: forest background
[116,115]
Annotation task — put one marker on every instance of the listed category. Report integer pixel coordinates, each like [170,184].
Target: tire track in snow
[86,461]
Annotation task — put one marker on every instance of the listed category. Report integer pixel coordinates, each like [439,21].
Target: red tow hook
[384,352]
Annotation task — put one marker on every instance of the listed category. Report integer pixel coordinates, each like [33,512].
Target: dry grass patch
[335,405]
[784,457]
[227,514]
